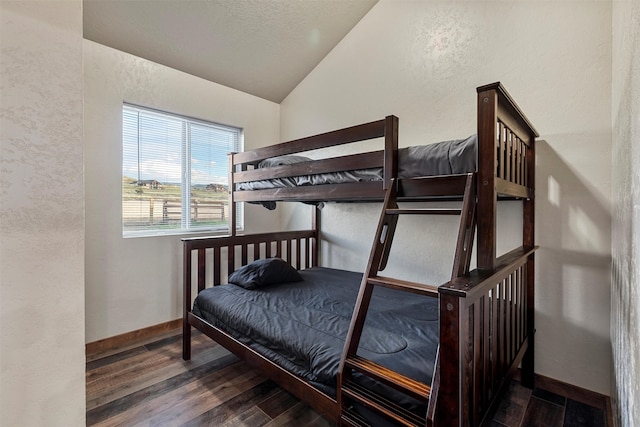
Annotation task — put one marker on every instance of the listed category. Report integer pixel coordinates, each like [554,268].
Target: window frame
[186,173]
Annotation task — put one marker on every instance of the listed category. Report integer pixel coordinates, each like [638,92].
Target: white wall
[625,295]
[422,62]
[42,361]
[134,283]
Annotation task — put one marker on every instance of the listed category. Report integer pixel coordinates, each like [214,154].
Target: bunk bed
[408,353]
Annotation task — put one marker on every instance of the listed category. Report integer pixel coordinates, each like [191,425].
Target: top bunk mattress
[302,326]
[457,156]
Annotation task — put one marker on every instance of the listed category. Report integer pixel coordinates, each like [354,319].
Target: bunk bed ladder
[352,391]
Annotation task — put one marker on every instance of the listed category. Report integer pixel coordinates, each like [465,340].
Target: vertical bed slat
[507,151]
[514,315]
[507,323]
[467,351]
[514,157]
[523,166]
[244,254]
[519,336]
[521,301]
[502,143]
[298,253]
[231,259]
[216,266]
[256,251]
[486,339]
[516,304]
[497,334]
[519,163]
[201,269]
[478,363]
[503,324]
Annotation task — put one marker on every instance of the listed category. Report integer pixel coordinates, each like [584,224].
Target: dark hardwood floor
[148,384]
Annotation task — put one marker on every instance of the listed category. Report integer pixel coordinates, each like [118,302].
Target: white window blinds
[174,173]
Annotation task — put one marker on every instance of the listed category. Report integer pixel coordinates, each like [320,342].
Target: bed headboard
[506,166]
[214,258]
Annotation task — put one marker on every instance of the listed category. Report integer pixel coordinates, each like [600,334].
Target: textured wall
[625,295]
[134,283]
[422,62]
[42,379]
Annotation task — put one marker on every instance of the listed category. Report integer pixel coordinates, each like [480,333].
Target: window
[174,173]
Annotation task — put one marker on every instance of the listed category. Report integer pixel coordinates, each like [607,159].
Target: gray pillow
[282,160]
[264,272]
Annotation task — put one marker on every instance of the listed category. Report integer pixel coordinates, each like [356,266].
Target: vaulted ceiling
[262,47]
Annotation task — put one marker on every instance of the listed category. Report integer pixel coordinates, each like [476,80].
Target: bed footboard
[486,328]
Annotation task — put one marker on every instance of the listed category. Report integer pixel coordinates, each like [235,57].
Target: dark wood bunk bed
[486,316]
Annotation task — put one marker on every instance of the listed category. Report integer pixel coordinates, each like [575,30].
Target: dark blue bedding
[302,326]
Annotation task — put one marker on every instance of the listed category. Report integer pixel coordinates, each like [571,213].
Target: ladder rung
[382,405]
[423,211]
[403,285]
[407,385]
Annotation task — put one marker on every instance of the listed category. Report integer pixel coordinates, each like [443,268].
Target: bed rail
[243,166]
[362,132]
[486,327]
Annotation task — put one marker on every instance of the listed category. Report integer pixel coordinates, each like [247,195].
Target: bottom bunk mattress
[302,326]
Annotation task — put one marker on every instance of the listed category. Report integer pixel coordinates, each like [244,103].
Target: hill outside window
[174,173]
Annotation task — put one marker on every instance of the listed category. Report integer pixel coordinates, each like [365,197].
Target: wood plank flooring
[148,384]
[523,407]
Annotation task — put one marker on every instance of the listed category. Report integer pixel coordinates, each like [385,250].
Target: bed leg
[528,368]
[186,340]
[526,373]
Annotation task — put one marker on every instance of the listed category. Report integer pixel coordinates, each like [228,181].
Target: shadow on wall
[573,281]
[347,234]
